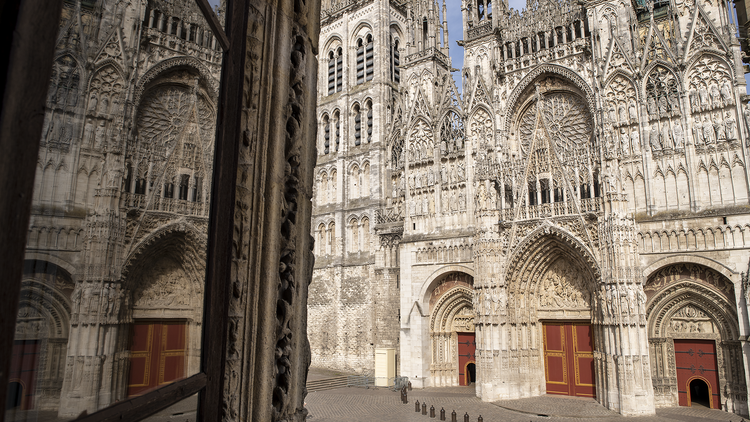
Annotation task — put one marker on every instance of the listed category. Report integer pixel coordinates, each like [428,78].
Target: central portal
[569,359]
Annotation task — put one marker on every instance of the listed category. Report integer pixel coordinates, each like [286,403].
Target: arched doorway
[41,335]
[452,330]
[550,292]
[165,284]
[14,397]
[699,393]
[693,331]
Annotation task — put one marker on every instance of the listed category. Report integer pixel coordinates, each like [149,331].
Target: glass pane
[112,292]
[183,411]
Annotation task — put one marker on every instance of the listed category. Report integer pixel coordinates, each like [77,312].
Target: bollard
[442,413]
[409,385]
[466,417]
[424,408]
[453,417]
[416,406]
[432,411]
[480,419]
[404,397]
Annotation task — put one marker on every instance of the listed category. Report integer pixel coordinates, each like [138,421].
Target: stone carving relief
[710,85]
[167,286]
[691,319]
[564,286]
[421,146]
[662,94]
[481,130]
[452,135]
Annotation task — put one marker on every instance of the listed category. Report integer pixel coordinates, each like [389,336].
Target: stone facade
[121,198]
[592,170]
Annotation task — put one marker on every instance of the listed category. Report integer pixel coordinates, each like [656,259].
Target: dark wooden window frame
[28,30]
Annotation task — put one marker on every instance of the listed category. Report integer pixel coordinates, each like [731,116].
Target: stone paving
[381,404]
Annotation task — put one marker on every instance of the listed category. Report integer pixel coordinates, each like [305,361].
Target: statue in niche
[635,141]
[425,204]
[612,113]
[623,114]
[88,132]
[663,105]
[654,138]
[694,101]
[99,135]
[721,134]
[104,105]
[432,204]
[454,201]
[461,172]
[443,147]
[624,142]
[443,174]
[699,133]
[92,103]
[651,106]
[430,178]
[715,96]
[726,93]
[453,178]
[731,127]
[708,131]
[666,137]
[461,201]
[482,197]
[412,208]
[632,112]
[424,178]
[632,301]
[703,93]
[411,181]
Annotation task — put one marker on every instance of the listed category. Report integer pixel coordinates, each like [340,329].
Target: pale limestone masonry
[592,169]
[120,210]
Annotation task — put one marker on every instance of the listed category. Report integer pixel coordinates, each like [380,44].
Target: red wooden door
[22,374]
[696,359]
[569,359]
[466,355]
[157,355]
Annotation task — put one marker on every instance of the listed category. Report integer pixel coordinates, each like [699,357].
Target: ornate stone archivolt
[690,301]
[451,311]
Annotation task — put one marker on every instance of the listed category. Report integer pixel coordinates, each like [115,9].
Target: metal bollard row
[423,407]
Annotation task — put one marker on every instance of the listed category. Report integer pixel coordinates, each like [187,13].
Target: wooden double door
[697,372]
[569,359]
[157,355]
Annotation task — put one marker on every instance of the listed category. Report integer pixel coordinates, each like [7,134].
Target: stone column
[267,351]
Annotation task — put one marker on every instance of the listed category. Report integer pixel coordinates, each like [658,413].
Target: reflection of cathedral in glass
[112,295]
[578,209]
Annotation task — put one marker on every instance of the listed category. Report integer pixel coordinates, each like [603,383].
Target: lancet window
[326,134]
[365,59]
[395,62]
[368,107]
[335,71]
[357,125]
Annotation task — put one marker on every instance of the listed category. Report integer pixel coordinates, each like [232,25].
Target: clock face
[567,119]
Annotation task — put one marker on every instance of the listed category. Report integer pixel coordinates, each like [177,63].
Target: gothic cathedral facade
[573,221]
[112,294]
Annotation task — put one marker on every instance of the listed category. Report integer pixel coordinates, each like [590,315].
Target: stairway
[326,384]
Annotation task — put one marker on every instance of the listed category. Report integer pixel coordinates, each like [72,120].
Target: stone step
[326,384]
